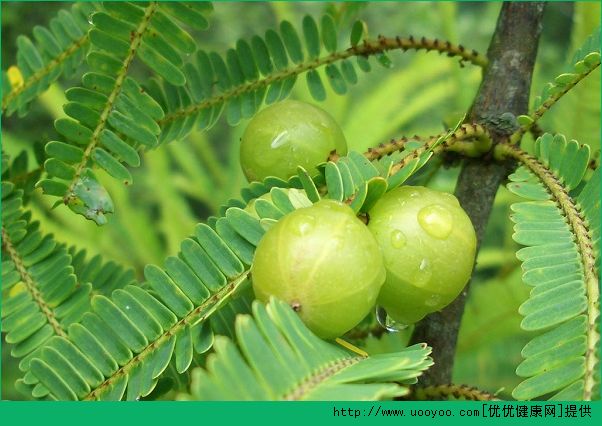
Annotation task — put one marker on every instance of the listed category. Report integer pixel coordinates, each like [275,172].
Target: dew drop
[279,140]
[303,225]
[337,243]
[398,239]
[436,220]
[433,300]
[90,19]
[387,322]
[451,198]
[425,274]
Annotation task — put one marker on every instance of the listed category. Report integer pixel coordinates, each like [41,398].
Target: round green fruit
[286,135]
[323,262]
[428,244]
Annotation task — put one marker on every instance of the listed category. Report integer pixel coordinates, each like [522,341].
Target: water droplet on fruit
[337,243]
[424,275]
[433,300]
[303,225]
[279,140]
[387,322]
[398,239]
[451,198]
[436,220]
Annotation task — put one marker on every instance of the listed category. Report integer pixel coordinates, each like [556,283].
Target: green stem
[456,142]
[318,377]
[445,392]
[549,103]
[586,249]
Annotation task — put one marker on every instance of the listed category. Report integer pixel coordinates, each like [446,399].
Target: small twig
[549,103]
[446,392]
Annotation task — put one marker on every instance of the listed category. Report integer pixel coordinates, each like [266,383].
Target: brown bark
[504,89]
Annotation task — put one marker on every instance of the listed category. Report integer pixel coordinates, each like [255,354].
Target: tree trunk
[505,89]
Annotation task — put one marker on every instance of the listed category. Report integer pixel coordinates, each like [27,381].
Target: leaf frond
[265,70]
[280,359]
[105,277]
[111,116]
[40,292]
[560,225]
[58,51]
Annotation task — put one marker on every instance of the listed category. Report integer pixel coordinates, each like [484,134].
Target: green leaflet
[329,33]
[553,263]
[312,36]
[280,359]
[291,41]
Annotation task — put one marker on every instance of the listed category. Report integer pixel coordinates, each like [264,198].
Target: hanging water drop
[387,322]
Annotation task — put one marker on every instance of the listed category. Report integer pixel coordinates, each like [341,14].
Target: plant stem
[447,392]
[505,88]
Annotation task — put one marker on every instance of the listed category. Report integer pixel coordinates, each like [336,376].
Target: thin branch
[536,130]
[394,145]
[456,142]
[549,103]
[446,392]
[367,48]
[586,249]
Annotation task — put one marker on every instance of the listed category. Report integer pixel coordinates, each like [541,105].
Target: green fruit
[428,244]
[323,261]
[286,135]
